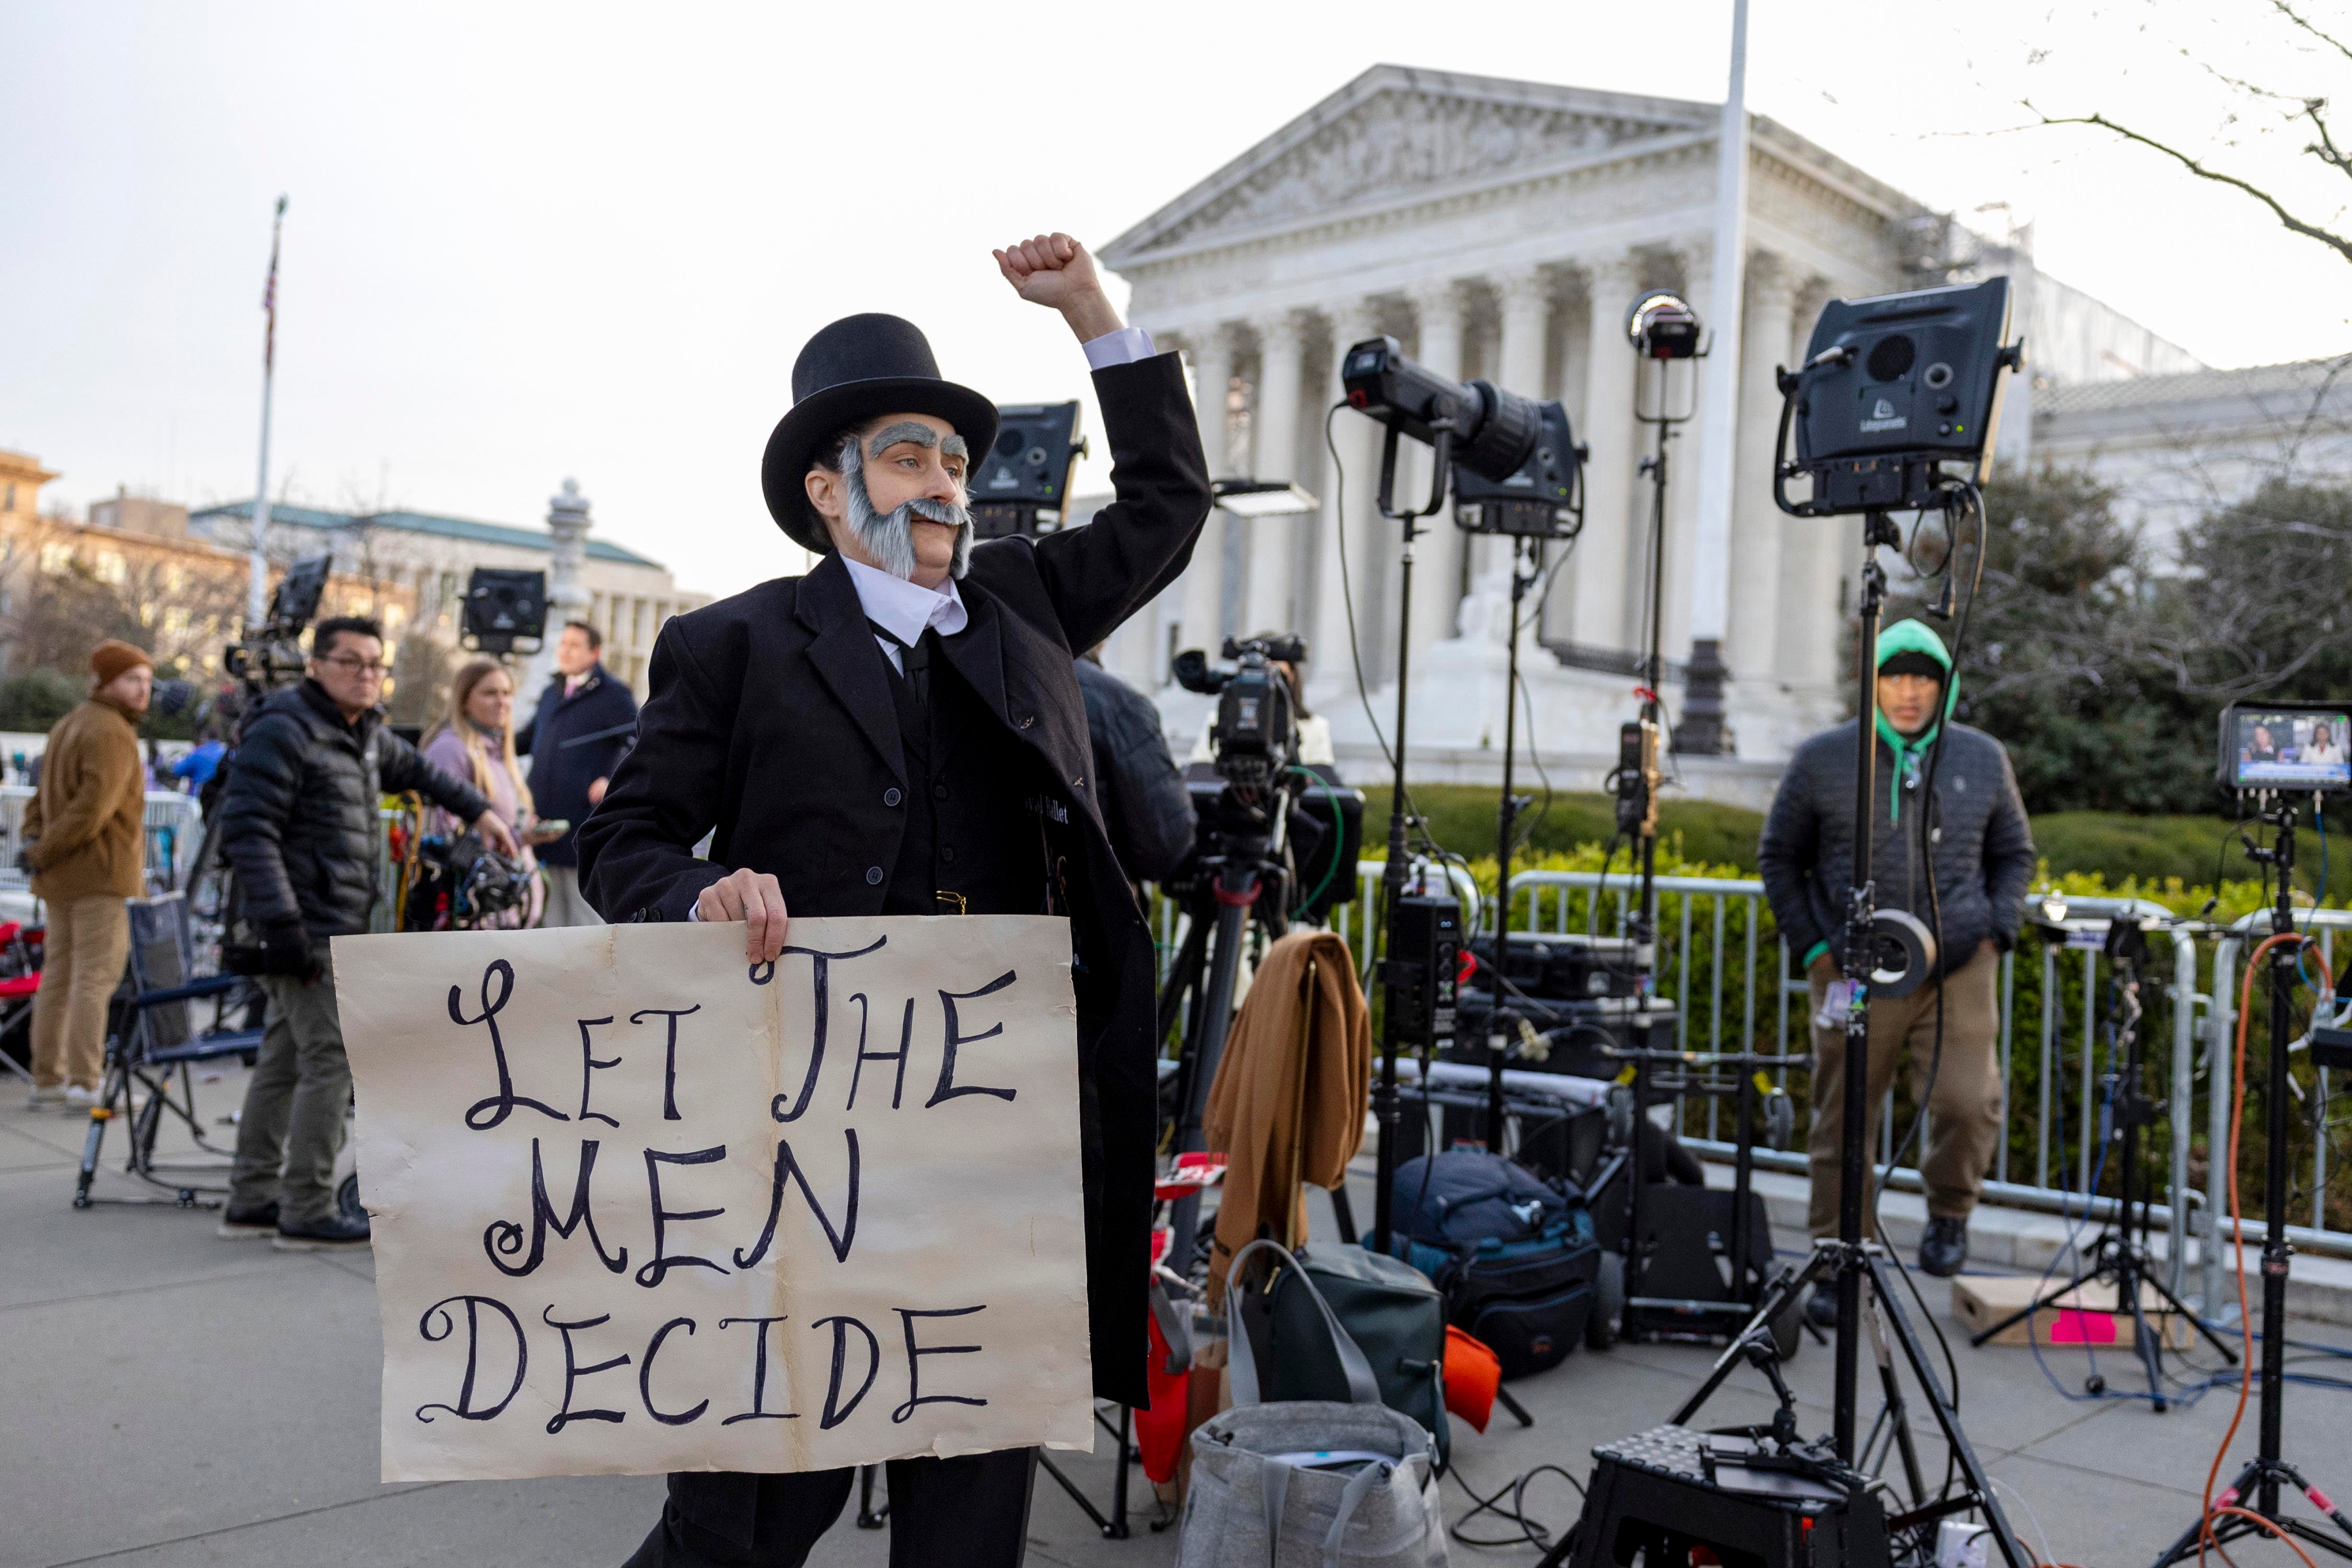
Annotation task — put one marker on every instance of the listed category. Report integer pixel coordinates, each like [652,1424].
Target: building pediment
[1397,135]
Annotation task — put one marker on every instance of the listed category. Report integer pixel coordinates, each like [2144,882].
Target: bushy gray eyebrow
[907,430]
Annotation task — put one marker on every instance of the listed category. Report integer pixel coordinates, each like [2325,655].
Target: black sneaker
[1945,1248]
[238,1223]
[333,1232]
[1821,1306]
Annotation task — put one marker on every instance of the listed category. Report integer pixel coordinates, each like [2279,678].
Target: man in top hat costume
[899,732]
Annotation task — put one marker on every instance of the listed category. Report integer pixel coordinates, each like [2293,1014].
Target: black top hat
[858,369]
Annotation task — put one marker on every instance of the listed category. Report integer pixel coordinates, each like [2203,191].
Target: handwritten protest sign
[640,1209]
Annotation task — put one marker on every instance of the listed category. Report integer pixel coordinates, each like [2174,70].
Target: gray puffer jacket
[1984,848]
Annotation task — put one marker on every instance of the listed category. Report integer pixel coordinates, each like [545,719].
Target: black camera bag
[1514,1256]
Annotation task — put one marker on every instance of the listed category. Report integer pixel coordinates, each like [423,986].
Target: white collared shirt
[906,610]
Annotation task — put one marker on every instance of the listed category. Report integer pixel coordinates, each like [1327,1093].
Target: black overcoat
[564,759]
[771,724]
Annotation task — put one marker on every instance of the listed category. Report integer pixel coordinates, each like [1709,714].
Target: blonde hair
[461,691]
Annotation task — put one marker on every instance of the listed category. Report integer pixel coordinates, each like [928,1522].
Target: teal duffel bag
[1390,1309]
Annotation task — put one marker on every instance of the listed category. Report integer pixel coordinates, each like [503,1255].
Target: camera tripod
[2120,1254]
[2255,1492]
[1846,1259]
[1241,880]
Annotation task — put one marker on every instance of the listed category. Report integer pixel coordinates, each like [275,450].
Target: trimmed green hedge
[2147,849]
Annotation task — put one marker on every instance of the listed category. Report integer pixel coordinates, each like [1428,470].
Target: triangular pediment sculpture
[1395,132]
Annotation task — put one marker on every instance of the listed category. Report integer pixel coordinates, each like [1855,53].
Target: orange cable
[2238,1241]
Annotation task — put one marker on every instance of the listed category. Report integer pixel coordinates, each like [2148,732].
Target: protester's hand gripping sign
[638,1209]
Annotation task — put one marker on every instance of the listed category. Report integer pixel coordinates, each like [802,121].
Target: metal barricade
[172,823]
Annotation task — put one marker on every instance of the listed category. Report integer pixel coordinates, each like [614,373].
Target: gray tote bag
[1310,1483]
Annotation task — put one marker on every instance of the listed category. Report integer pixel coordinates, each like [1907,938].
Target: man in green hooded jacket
[1981,862]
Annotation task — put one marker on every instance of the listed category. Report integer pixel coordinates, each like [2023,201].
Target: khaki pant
[295,1104]
[1963,1112]
[81,964]
[566,905]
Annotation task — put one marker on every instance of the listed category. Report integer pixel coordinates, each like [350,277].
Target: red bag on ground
[1473,1374]
[1160,1428]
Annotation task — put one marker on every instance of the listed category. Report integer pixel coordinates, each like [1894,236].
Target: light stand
[1527,570]
[1847,1258]
[2256,1489]
[2121,1253]
[1638,779]
[1407,982]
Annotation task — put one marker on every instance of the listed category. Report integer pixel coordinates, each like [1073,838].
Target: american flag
[269,293]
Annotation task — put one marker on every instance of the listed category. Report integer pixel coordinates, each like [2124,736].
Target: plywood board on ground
[2085,1315]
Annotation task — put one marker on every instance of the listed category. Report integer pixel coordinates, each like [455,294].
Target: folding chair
[156,1042]
[20,976]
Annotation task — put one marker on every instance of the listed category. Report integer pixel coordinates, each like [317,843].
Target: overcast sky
[526,243]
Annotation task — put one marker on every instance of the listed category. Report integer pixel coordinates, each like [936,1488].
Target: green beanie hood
[1913,636]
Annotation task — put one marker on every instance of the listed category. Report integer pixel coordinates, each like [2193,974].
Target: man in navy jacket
[584,724]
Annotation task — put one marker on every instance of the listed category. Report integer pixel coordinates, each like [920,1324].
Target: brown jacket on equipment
[85,823]
[1287,1105]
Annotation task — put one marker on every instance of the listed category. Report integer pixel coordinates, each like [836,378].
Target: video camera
[270,655]
[1256,732]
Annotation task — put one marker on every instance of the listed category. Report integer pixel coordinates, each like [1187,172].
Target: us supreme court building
[1503,229]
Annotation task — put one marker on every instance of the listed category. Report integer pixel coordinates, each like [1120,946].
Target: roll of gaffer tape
[1896,933]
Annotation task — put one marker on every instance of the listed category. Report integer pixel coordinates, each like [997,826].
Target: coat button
[1027,719]
[947,853]
[890,796]
[873,876]
[939,792]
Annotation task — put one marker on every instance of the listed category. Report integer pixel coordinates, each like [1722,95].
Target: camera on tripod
[1256,733]
[270,655]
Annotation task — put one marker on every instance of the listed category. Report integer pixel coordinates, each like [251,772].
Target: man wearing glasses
[299,826]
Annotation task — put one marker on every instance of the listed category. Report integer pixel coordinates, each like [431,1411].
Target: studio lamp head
[1662,325]
[1492,432]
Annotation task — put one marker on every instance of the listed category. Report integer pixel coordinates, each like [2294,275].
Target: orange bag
[1473,1374]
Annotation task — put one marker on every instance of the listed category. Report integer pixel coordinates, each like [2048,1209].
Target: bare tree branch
[2289,12]
[2339,244]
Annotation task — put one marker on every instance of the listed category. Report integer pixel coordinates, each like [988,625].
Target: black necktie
[914,661]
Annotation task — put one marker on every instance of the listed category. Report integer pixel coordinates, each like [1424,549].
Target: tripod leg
[1896,1412]
[1790,1288]
[1979,1485]
[2187,1544]
[2195,1320]
[2147,1338]
[2320,1501]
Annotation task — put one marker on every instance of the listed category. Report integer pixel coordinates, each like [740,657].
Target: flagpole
[257,589]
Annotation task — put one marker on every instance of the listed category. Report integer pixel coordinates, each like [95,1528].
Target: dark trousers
[972,1512]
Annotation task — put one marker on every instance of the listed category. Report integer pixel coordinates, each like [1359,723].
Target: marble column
[1437,554]
[1330,672]
[1604,616]
[1273,422]
[1756,536]
[1199,625]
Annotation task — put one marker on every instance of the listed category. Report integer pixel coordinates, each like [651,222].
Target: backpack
[1516,1258]
[1344,1483]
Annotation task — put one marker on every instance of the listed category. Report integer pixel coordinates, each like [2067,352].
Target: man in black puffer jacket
[1141,792]
[1983,862]
[299,827]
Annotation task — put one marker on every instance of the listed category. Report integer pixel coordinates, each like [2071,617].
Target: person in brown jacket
[85,843]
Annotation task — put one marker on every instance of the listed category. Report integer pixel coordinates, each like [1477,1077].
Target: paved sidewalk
[174,1399]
